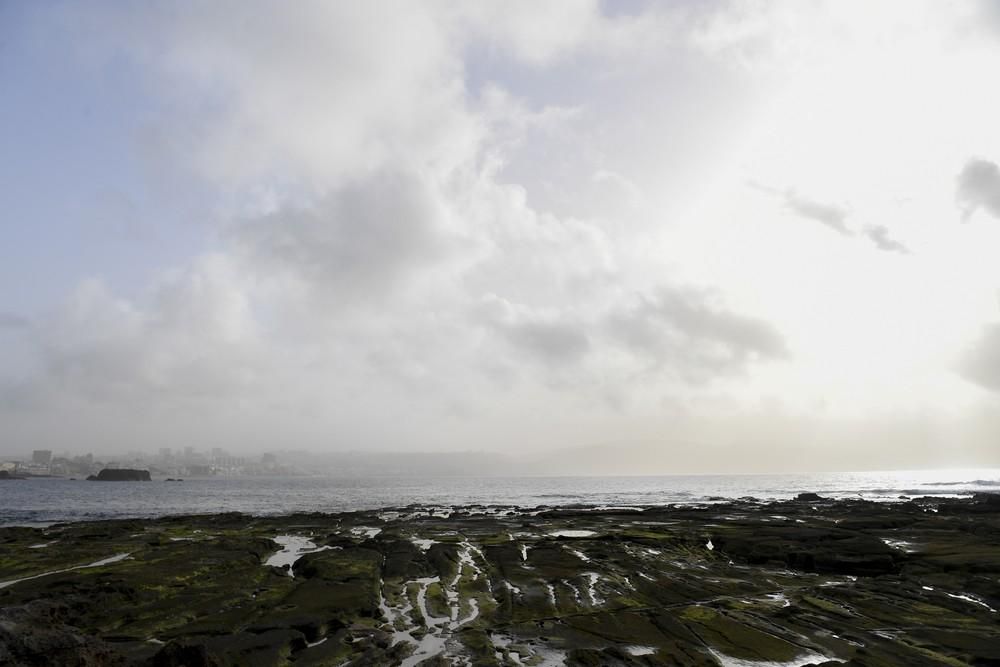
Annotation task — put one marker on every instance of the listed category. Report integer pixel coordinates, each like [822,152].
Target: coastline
[733,583]
[42,501]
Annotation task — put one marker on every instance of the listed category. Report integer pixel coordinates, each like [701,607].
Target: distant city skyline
[715,236]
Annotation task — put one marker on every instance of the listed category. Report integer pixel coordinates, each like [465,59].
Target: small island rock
[120,475]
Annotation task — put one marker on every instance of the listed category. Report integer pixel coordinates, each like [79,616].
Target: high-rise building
[42,457]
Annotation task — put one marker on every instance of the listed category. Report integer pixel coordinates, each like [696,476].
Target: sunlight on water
[39,501]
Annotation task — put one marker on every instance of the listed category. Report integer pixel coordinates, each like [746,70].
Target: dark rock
[808,497]
[35,634]
[990,499]
[244,648]
[184,655]
[776,573]
[120,475]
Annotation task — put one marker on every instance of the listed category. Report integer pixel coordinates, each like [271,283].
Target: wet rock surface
[801,582]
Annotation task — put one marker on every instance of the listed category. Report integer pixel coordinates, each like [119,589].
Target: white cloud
[196,337]
[418,247]
[537,34]
[300,97]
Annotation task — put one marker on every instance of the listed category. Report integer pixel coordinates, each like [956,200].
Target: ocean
[40,501]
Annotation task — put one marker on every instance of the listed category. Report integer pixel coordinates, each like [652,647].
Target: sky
[658,236]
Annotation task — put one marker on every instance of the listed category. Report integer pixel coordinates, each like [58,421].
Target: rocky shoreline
[738,584]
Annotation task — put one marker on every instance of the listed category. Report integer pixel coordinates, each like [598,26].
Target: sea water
[48,500]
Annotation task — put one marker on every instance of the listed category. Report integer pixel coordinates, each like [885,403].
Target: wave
[910,492]
[975,482]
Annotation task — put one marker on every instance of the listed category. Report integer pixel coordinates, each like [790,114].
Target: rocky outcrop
[241,648]
[36,634]
[120,475]
[742,582]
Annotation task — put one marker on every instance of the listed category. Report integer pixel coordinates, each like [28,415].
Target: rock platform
[738,584]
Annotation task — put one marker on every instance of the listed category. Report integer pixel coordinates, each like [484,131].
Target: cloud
[631,192]
[372,255]
[979,187]
[300,98]
[687,331]
[835,217]
[536,34]
[195,337]
[879,235]
[677,333]
[357,243]
[831,215]
[550,35]
[981,363]
[550,341]
[552,338]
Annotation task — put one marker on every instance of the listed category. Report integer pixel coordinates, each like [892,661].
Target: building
[42,457]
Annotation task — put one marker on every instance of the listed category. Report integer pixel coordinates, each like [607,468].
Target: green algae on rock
[736,583]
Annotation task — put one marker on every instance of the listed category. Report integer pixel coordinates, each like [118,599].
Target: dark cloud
[687,330]
[831,215]
[835,217]
[356,242]
[555,339]
[979,187]
[553,342]
[682,332]
[981,364]
[879,235]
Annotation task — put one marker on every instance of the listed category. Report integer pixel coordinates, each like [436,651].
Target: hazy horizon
[727,236]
